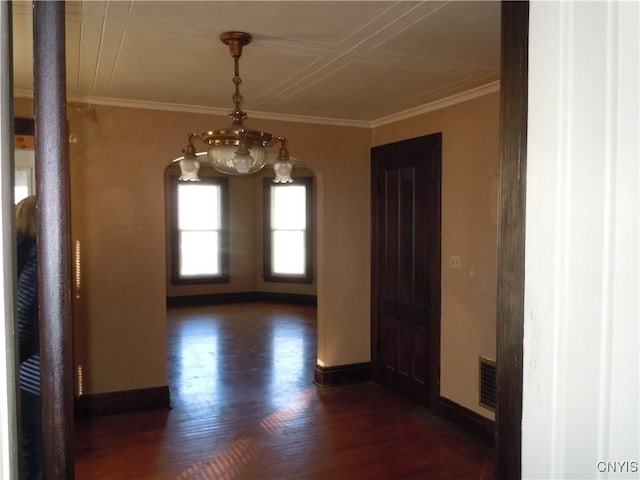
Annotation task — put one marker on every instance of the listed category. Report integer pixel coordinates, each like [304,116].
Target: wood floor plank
[244,407]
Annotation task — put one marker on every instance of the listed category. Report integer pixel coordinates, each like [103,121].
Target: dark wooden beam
[54,282]
[511,231]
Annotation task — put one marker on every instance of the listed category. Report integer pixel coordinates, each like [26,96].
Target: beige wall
[118,216]
[469,229]
[118,159]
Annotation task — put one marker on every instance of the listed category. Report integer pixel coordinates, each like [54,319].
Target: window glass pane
[193,201]
[288,252]
[288,207]
[21,192]
[22,183]
[199,253]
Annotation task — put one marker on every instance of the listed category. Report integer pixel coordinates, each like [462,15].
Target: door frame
[511,238]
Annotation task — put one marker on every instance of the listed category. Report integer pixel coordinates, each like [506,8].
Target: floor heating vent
[488,383]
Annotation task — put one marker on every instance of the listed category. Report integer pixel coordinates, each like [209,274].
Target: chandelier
[236,149]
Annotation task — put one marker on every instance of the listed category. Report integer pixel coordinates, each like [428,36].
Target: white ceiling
[336,61]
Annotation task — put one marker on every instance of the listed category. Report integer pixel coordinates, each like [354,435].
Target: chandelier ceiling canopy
[236,149]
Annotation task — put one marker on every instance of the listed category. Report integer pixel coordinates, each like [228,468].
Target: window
[200,236]
[23,183]
[288,254]
[24,173]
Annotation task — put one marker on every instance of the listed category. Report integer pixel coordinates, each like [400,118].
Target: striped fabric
[28,319]
[30,375]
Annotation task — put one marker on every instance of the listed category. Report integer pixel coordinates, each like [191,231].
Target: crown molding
[174,107]
[438,104]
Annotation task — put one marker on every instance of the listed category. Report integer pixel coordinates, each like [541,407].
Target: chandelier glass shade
[283,166]
[236,150]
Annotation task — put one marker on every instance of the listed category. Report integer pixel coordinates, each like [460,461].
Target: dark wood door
[406,180]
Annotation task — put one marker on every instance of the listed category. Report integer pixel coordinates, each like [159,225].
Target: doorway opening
[246,332]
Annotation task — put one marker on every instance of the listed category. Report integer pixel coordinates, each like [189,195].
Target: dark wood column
[511,230]
[54,282]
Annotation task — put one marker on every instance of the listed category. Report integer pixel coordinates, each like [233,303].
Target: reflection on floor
[244,407]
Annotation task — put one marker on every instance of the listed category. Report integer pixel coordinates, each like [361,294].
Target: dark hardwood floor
[244,407]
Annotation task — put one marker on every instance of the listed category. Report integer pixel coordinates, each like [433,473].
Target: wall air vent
[488,383]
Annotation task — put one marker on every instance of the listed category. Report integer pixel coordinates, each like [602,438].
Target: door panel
[406,180]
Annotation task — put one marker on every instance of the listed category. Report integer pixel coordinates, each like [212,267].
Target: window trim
[268,275]
[223,276]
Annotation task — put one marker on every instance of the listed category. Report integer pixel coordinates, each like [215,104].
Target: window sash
[288,254]
[288,207]
[193,198]
[200,237]
[199,253]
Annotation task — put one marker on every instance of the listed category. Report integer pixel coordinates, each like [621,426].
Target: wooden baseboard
[294,298]
[476,425]
[94,405]
[241,297]
[342,374]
